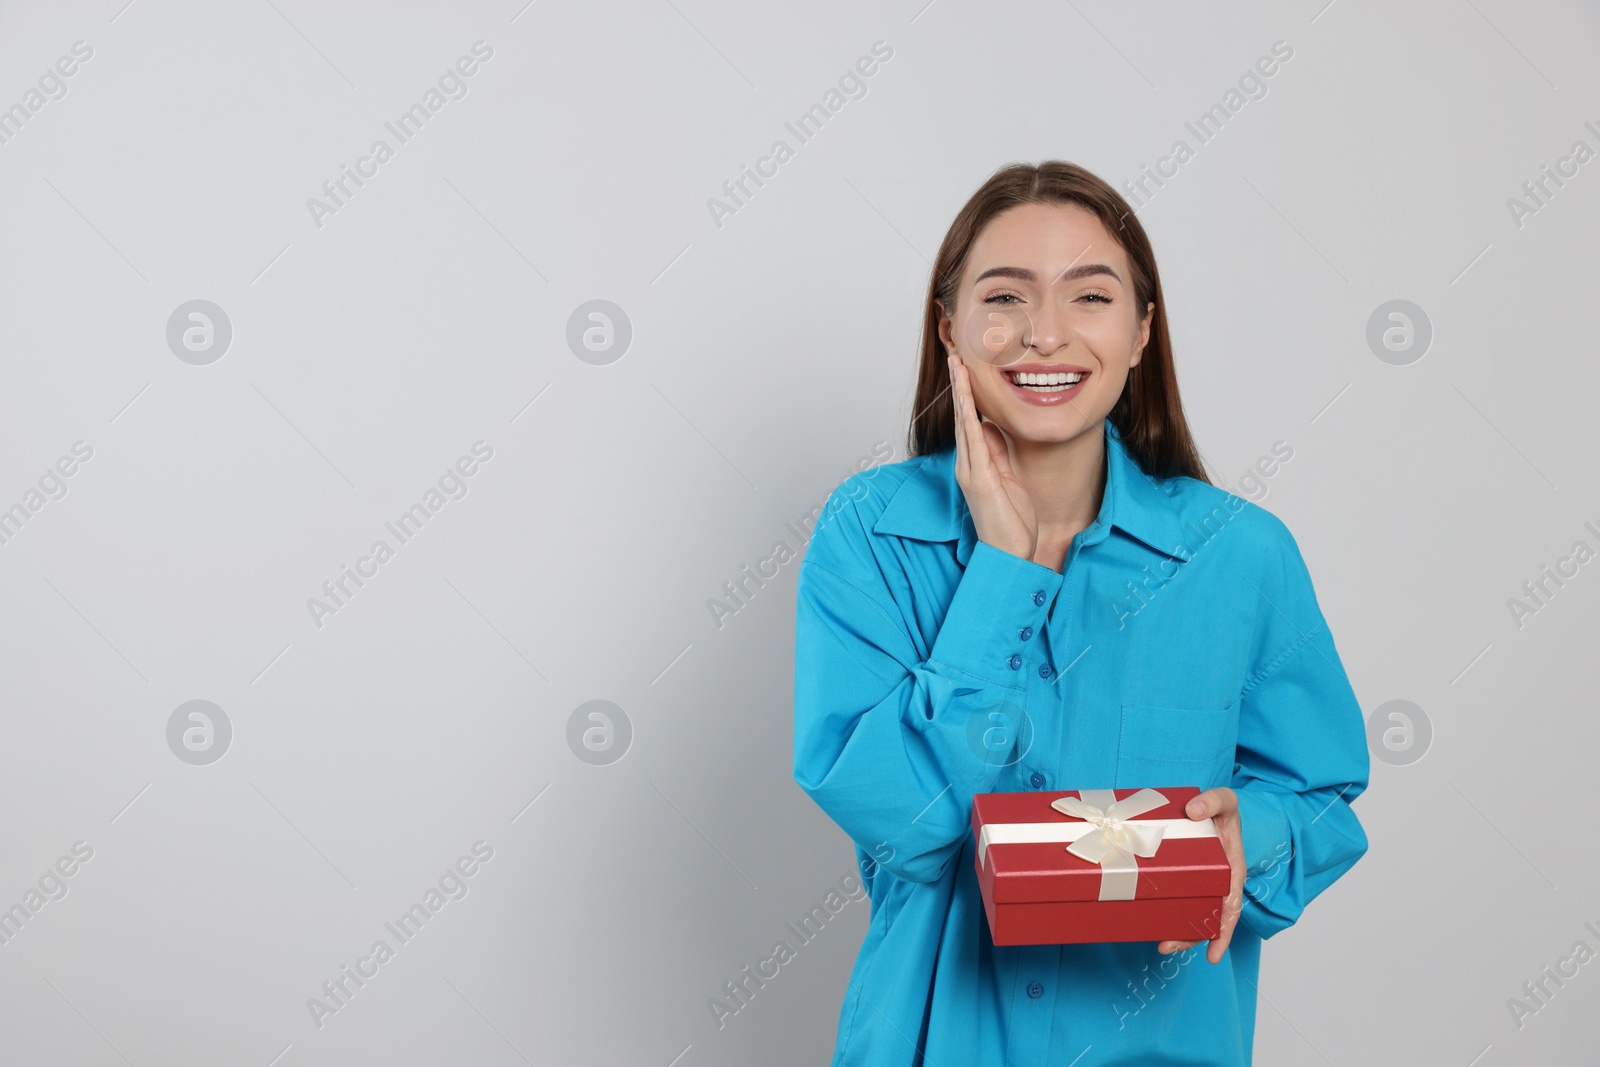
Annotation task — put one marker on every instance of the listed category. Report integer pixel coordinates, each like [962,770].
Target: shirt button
[1035,990]
[1044,670]
[1038,597]
[1036,780]
[1025,633]
[1015,661]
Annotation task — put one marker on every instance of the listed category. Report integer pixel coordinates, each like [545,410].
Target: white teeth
[1047,379]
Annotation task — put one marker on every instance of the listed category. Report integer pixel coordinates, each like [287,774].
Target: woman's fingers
[969,464]
[963,468]
[1233,845]
[1212,802]
[969,429]
[1222,804]
[983,471]
[962,403]
[998,449]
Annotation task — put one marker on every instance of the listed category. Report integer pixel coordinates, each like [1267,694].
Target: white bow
[1117,838]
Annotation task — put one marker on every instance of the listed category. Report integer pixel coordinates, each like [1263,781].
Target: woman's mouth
[1045,387]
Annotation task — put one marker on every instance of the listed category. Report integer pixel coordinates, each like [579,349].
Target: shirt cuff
[1264,831]
[1000,598]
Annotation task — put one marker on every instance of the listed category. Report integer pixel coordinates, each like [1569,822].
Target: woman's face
[1046,301]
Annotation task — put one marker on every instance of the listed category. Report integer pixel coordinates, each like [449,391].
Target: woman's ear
[946,334]
[1144,334]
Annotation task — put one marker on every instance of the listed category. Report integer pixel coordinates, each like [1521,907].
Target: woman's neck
[1065,480]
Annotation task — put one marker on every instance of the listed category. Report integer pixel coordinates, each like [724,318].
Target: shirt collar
[929,505]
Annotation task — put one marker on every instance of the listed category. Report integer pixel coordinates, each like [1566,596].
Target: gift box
[1098,865]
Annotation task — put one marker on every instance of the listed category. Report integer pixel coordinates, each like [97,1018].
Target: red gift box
[1036,892]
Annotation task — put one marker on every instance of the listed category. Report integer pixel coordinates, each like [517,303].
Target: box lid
[1037,872]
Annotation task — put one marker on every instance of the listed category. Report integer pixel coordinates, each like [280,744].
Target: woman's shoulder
[870,490]
[1208,509]
[1262,550]
[844,524]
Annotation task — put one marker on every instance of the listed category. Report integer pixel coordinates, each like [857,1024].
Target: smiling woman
[1052,468]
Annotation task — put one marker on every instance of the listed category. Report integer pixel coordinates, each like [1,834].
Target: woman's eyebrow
[1070,274]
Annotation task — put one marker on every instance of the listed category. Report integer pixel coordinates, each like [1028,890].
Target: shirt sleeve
[1302,752]
[892,745]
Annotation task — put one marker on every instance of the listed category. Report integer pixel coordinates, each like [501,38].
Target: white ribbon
[1110,834]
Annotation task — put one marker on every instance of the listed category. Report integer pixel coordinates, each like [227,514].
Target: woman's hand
[1221,805]
[1002,512]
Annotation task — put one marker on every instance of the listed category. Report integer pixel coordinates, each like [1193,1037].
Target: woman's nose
[1048,329]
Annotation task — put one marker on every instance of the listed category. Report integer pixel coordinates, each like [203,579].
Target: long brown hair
[1148,415]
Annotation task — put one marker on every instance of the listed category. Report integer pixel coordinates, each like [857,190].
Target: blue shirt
[1181,644]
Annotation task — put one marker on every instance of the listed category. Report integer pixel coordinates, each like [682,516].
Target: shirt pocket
[1159,746]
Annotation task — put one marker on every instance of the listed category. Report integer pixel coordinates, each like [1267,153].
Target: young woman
[1050,595]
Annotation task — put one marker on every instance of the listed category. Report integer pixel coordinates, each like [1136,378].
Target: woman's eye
[1012,298]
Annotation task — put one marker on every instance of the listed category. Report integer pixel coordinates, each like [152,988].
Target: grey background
[768,357]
